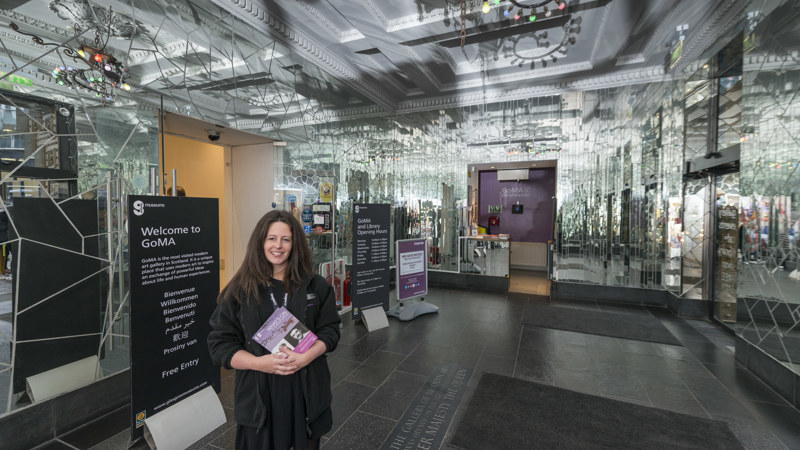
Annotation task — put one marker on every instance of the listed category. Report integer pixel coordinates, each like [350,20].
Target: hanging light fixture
[533,8]
[96,71]
[544,52]
[528,8]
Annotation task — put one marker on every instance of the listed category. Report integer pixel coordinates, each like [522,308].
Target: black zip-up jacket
[232,327]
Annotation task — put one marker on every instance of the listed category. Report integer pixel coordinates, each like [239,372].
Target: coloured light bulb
[486,7]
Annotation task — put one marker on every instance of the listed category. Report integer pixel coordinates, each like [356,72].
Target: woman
[281,400]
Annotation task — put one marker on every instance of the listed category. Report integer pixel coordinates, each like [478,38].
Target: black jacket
[232,328]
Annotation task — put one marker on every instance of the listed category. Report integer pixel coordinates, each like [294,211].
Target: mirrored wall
[769,280]
[80,91]
[73,148]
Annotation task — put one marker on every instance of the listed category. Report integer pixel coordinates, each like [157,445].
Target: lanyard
[272,297]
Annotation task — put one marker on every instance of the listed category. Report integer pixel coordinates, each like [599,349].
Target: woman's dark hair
[256,271]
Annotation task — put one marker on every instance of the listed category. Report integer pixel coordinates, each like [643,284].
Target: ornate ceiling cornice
[415,20]
[376,12]
[622,78]
[342,36]
[257,15]
[39,25]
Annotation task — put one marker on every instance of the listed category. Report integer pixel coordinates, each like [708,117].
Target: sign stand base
[185,422]
[406,312]
[374,318]
[62,379]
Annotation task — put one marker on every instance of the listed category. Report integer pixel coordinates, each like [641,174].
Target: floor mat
[635,327]
[506,413]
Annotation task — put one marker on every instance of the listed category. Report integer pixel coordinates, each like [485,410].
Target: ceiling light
[98,73]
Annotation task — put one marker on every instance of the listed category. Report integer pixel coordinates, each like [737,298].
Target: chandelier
[531,11]
[526,10]
[95,70]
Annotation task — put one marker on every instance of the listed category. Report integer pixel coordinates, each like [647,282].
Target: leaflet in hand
[283,328]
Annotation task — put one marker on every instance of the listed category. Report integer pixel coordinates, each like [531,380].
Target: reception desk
[484,255]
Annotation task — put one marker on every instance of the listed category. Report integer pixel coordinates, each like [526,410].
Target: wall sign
[326,192]
[174,270]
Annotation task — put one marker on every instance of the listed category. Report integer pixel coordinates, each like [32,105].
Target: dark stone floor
[378,375]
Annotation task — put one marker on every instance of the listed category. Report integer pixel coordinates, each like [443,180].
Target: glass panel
[769,284]
[727,247]
[484,256]
[695,217]
[697,112]
[729,91]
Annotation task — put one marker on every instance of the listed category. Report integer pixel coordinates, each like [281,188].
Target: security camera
[213,135]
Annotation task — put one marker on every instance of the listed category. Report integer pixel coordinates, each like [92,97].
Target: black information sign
[370,285]
[174,270]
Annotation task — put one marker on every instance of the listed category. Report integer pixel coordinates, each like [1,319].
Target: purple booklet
[283,328]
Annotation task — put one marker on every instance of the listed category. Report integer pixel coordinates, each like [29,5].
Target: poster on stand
[370,285]
[412,269]
[174,272]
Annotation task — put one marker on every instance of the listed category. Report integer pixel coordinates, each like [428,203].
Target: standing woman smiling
[281,400]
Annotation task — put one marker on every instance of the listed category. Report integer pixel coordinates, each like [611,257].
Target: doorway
[200,171]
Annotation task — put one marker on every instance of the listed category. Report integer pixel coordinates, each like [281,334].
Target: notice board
[370,285]
[174,271]
[412,269]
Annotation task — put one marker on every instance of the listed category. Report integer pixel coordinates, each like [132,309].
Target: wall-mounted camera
[213,135]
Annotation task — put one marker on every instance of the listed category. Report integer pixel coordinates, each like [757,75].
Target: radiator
[529,254]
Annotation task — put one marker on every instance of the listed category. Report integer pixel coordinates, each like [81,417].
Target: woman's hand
[301,360]
[298,360]
[275,363]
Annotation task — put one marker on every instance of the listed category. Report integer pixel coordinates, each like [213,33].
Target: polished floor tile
[377,376]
